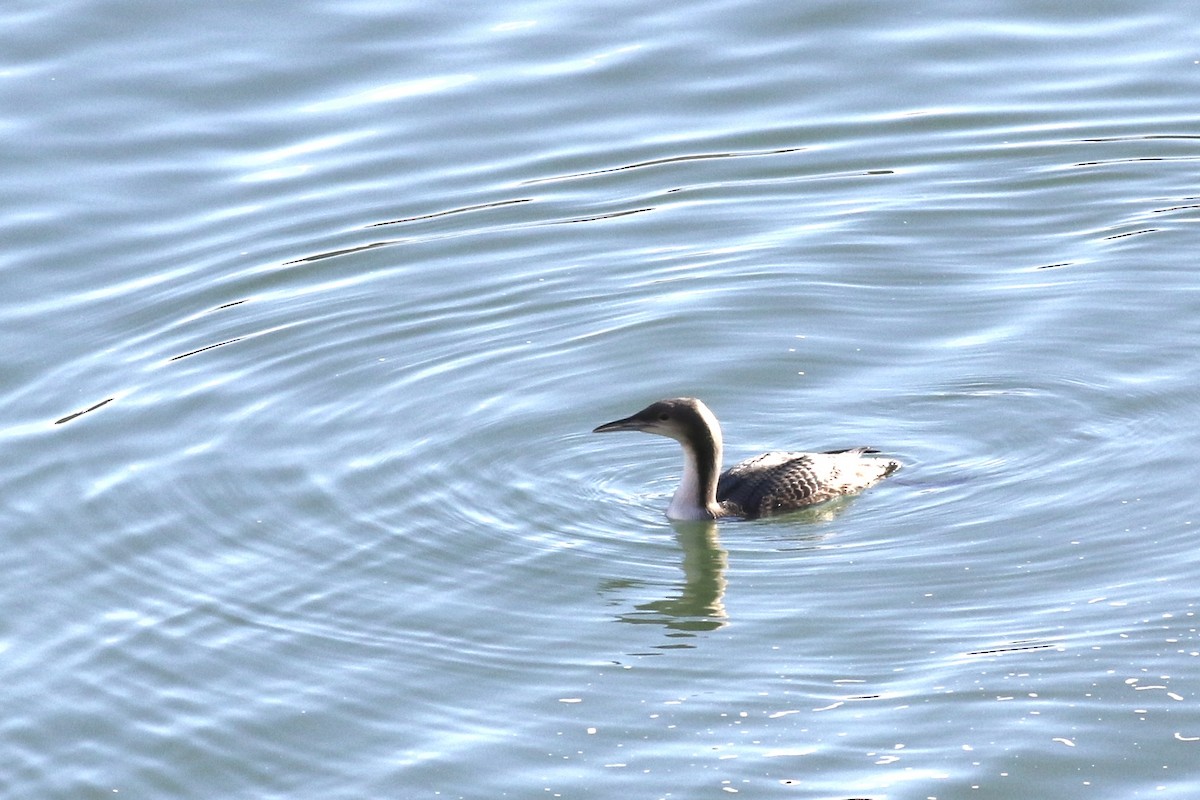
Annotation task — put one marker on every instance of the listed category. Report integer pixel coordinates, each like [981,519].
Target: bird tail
[891,466]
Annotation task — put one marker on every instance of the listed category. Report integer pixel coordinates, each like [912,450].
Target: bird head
[683,419]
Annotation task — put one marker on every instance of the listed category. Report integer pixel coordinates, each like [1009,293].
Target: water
[308,309]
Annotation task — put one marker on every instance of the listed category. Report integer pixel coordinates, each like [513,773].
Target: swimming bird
[770,483]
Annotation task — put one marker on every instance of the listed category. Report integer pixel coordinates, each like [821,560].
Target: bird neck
[696,497]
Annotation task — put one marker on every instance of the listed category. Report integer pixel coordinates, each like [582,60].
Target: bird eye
[663,416]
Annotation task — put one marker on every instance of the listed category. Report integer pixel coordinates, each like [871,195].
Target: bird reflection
[699,603]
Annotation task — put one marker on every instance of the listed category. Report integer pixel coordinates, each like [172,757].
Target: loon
[767,484]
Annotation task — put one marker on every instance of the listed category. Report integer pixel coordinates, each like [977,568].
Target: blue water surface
[309,309]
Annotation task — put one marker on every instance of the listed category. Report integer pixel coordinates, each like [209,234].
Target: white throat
[689,502]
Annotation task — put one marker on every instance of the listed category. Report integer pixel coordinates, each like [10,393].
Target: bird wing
[782,481]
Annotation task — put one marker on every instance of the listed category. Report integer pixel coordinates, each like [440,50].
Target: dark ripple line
[389,242]
[1131,233]
[670,160]
[1137,160]
[481,206]
[1173,208]
[342,252]
[207,347]
[1184,136]
[600,216]
[1014,649]
[462,210]
[70,417]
